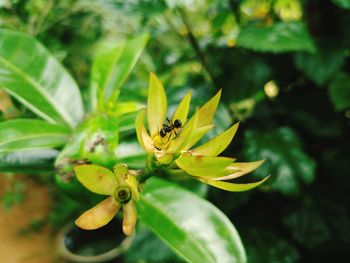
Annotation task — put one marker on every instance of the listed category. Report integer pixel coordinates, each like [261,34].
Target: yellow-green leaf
[182,110]
[240,169]
[156,104]
[97,179]
[232,187]
[99,215]
[218,144]
[203,166]
[141,132]
[130,218]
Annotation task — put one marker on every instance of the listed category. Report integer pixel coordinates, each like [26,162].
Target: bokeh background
[284,69]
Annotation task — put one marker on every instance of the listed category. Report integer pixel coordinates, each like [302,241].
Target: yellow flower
[121,187]
[171,146]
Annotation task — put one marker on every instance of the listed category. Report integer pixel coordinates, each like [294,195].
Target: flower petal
[203,166]
[134,186]
[182,110]
[156,105]
[141,132]
[130,218]
[218,144]
[196,136]
[99,215]
[207,111]
[240,169]
[97,179]
[184,136]
[232,187]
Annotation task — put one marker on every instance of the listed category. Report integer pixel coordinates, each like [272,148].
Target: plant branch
[195,45]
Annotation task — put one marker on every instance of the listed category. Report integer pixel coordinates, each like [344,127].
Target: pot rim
[69,255]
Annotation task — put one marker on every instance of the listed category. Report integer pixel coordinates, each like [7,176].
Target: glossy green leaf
[113,65]
[35,78]
[131,153]
[203,166]
[97,179]
[195,229]
[280,37]
[31,161]
[26,134]
[233,187]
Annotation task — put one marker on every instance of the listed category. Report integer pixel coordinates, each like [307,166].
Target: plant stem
[195,45]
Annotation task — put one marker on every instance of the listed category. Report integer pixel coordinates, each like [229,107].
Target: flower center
[122,194]
[161,143]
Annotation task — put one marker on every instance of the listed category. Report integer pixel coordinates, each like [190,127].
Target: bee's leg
[169,121]
[175,132]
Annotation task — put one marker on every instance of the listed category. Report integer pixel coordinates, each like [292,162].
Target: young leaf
[112,66]
[195,229]
[26,134]
[33,76]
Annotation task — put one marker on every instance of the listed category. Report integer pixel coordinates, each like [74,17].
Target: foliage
[302,129]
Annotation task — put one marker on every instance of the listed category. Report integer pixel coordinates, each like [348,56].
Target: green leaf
[131,153]
[35,78]
[320,67]
[195,229]
[26,134]
[285,159]
[280,37]
[342,3]
[95,139]
[339,91]
[112,66]
[33,161]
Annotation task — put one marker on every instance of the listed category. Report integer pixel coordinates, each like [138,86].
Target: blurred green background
[284,69]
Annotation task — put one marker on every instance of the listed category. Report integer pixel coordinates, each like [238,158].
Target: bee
[170,127]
